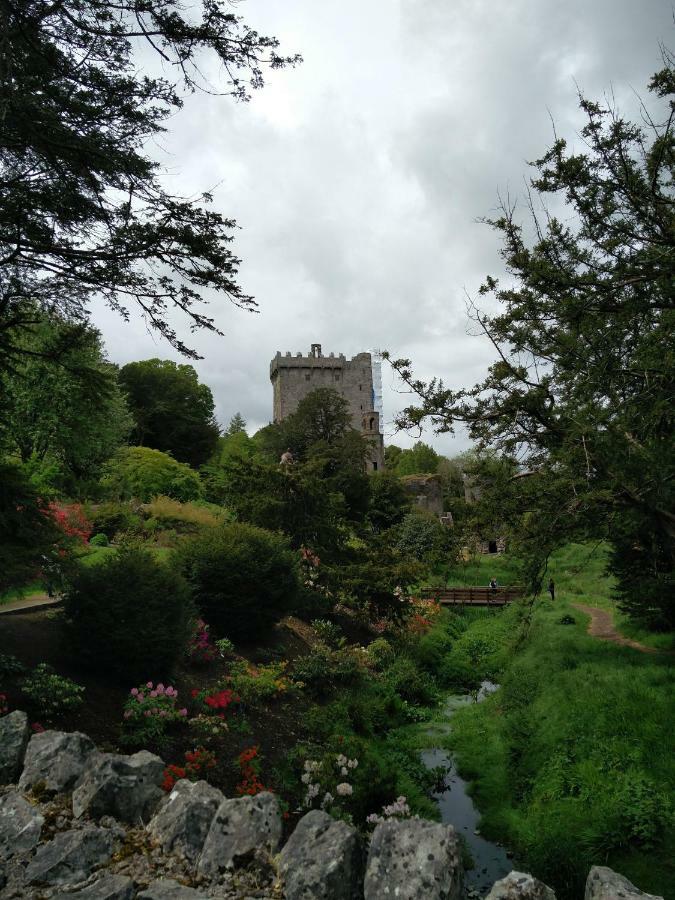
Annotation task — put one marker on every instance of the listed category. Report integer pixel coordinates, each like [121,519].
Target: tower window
[374,466]
[337,377]
[360,388]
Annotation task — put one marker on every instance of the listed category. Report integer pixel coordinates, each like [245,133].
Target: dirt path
[32,601]
[602,626]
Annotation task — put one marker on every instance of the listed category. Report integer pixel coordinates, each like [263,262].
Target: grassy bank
[573,759]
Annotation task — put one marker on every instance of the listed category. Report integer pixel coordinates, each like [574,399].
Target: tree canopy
[83,212]
[63,413]
[173,412]
[583,385]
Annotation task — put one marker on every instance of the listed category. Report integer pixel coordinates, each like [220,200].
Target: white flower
[327,800]
[352,763]
[344,789]
[344,771]
[305,778]
[340,760]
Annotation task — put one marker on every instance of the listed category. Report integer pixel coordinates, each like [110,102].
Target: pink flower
[153,693]
[134,692]
[147,713]
[149,685]
[182,712]
[160,688]
[140,697]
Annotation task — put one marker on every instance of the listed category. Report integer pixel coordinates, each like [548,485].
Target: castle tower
[294,377]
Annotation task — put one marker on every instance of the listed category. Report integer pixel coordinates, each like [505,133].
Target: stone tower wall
[293,377]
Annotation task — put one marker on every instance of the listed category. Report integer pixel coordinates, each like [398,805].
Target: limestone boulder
[56,759]
[520,886]
[14,735]
[166,889]
[109,887]
[124,787]
[71,856]
[412,858]
[20,825]
[240,829]
[605,884]
[182,822]
[322,860]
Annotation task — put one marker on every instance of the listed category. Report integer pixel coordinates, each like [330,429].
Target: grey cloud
[358,179]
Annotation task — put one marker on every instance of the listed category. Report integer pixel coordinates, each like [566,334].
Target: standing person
[551,588]
[493,585]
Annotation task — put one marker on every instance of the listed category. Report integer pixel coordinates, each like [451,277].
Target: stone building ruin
[293,377]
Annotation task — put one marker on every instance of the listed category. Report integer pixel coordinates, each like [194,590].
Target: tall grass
[574,758]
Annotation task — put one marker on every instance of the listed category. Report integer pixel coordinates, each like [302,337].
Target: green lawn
[574,758]
[18,593]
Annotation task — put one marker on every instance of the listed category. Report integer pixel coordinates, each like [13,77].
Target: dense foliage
[28,533]
[83,212]
[62,412]
[172,411]
[130,615]
[244,578]
[142,473]
[582,390]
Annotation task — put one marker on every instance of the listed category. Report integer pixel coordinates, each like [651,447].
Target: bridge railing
[472,596]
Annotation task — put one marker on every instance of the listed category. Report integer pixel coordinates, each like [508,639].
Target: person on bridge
[551,588]
[494,584]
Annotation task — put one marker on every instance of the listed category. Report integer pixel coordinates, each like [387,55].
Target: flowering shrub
[216,700]
[200,649]
[197,764]
[4,705]
[399,809]
[149,711]
[10,665]
[259,684]
[71,521]
[326,784]
[249,769]
[329,632]
[225,647]
[423,615]
[50,693]
[208,727]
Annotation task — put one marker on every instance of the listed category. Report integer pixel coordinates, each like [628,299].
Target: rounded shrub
[142,473]
[130,615]
[99,540]
[244,578]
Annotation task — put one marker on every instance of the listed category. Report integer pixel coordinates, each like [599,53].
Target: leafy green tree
[293,500]
[389,501]
[323,442]
[237,425]
[419,460]
[422,537]
[141,473]
[129,615]
[27,531]
[244,578]
[63,413]
[83,211]
[172,410]
[582,389]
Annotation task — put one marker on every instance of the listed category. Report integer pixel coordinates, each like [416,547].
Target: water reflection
[456,806]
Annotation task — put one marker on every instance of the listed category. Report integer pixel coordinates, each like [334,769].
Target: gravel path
[32,601]
[602,626]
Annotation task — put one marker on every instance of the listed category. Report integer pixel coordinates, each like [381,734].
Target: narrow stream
[456,806]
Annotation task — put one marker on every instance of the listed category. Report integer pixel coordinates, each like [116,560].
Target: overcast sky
[358,179]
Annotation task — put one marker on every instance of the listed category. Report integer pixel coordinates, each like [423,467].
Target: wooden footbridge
[472,596]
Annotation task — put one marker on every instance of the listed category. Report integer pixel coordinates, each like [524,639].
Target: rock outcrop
[413,858]
[322,860]
[605,884]
[85,825]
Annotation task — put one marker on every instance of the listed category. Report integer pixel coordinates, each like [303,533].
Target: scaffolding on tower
[376,366]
